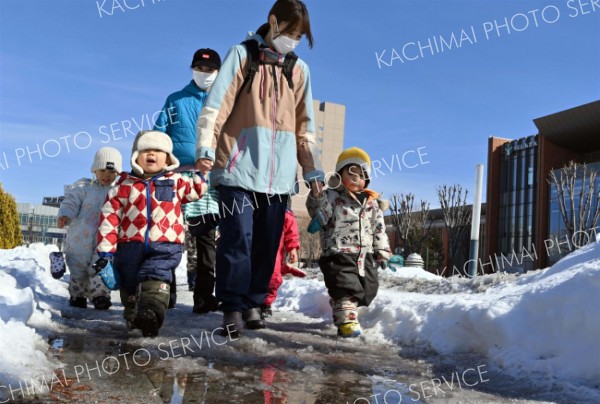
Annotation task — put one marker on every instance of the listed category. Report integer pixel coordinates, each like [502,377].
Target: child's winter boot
[345,317]
[128,301]
[348,330]
[152,303]
[99,293]
[101,302]
[78,290]
[80,302]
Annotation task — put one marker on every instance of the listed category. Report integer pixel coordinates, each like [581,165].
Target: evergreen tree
[10,230]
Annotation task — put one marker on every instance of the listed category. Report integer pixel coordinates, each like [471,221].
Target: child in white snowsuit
[80,210]
[353,239]
[142,229]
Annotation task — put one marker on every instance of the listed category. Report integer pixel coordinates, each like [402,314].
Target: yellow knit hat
[355,155]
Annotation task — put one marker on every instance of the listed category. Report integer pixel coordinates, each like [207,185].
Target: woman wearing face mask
[178,120]
[259,126]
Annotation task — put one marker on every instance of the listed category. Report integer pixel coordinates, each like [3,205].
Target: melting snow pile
[27,294]
[544,321]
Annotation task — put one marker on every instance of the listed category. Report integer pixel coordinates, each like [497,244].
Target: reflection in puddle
[390,391]
[178,389]
[56,343]
[242,378]
[271,385]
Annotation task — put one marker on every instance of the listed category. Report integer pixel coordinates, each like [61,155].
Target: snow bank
[544,321]
[26,292]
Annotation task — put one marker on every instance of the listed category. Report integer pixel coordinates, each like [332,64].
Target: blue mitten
[109,276]
[57,264]
[314,226]
[317,222]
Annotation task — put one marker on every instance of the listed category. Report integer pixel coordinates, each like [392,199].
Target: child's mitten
[109,276]
[57,264]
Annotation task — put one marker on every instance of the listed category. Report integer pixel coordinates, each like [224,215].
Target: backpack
[254,61]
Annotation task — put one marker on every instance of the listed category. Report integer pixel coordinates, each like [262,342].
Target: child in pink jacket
[288,245]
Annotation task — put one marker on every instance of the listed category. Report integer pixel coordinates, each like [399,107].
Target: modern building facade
[54,201]
[329,124]
[38,224]
[525,227]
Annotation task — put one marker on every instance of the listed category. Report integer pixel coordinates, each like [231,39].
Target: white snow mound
[545,321]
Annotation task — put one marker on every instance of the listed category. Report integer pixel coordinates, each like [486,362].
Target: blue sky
[71,69]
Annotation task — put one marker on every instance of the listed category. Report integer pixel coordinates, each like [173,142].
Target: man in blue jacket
[178,120]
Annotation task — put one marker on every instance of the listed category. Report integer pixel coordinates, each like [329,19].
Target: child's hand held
[62,222]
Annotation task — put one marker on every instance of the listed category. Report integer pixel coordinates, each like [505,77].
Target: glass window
[522,169]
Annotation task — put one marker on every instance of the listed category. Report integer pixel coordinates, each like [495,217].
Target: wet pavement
[298,359]
[114,370]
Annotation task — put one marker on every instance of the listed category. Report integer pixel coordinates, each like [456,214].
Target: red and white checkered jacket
[146,210]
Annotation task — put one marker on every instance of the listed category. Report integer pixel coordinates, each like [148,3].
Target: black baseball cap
[206,57]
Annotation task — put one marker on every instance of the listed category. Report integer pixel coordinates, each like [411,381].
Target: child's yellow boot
[349,330]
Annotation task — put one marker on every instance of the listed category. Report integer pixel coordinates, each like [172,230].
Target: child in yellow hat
[353,238]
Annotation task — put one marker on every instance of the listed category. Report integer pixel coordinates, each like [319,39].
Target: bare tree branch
[575,184]
[411,227]
[457,218]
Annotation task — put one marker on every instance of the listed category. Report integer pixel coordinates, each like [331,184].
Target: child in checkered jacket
[142,231]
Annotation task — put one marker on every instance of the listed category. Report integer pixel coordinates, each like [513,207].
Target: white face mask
[204,80]
[282,43]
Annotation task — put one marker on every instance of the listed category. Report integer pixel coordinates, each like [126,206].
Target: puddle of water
[238,377]
[56,343]
[271,384]
[247,373]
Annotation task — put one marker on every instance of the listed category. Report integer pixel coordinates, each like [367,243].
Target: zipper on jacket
[360,212]
[273,127]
